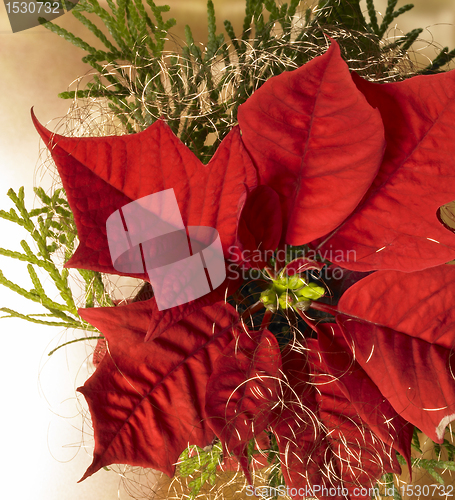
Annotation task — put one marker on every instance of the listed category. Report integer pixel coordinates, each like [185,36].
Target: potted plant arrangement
[283,196]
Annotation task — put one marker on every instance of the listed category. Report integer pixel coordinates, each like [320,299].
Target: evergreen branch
[82,94]
[147,22]
[112,6]
[43,228]
[96,31]
[435,475]
[194,50]
[450,448]
[45,199]
[26,222]
[65,213]
[121,24]
[410,38]
[203,465]
[116,26]
[443,58]
[32,319]
[293,7]
[141,9]
[35,281]
[57,309]
[231,33]
[308,13]
[40,236]
[415,443]
[60,281]
[403,44]
[271,6]
[37,211]
[94,288]
[373,18]
[41,315]
[55,202]
[93,61]
[430,465]
[345,14]
[18,200]
[23,257]
[11,216]
[214,42]
[388,17]
[69,37]
[402,10]
[248,19]
[162,27]
[136,26]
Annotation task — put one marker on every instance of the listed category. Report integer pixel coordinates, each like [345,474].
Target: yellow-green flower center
[290,292]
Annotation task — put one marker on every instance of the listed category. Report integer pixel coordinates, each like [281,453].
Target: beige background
[43,454]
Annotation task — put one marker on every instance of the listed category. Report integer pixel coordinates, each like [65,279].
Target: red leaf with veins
[147,399]
[375,411]
[102,174]
[146,312]
[296,424]
[321,438]
[401,327]
[242,390]
[396,226]
[316,141]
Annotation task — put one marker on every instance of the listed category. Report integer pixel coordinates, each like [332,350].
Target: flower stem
[308,321]
[270,272]
[266,320]
[319,306]
[252,309]
[280,263]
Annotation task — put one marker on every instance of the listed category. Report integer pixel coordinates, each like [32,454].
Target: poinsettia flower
[320,158]
[335,181]
[392,224]
[395,225]
[103,174]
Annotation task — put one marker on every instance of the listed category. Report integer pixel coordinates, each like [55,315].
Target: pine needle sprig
[200,466]
[201,106]
[52,229]
[142,82]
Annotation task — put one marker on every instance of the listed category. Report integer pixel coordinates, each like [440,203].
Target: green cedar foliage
[199,91]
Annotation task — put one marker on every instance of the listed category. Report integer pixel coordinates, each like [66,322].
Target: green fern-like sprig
[52,229]
[433,466]
[200,465]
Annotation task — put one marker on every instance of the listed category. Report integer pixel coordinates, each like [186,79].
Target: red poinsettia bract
[354,170]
